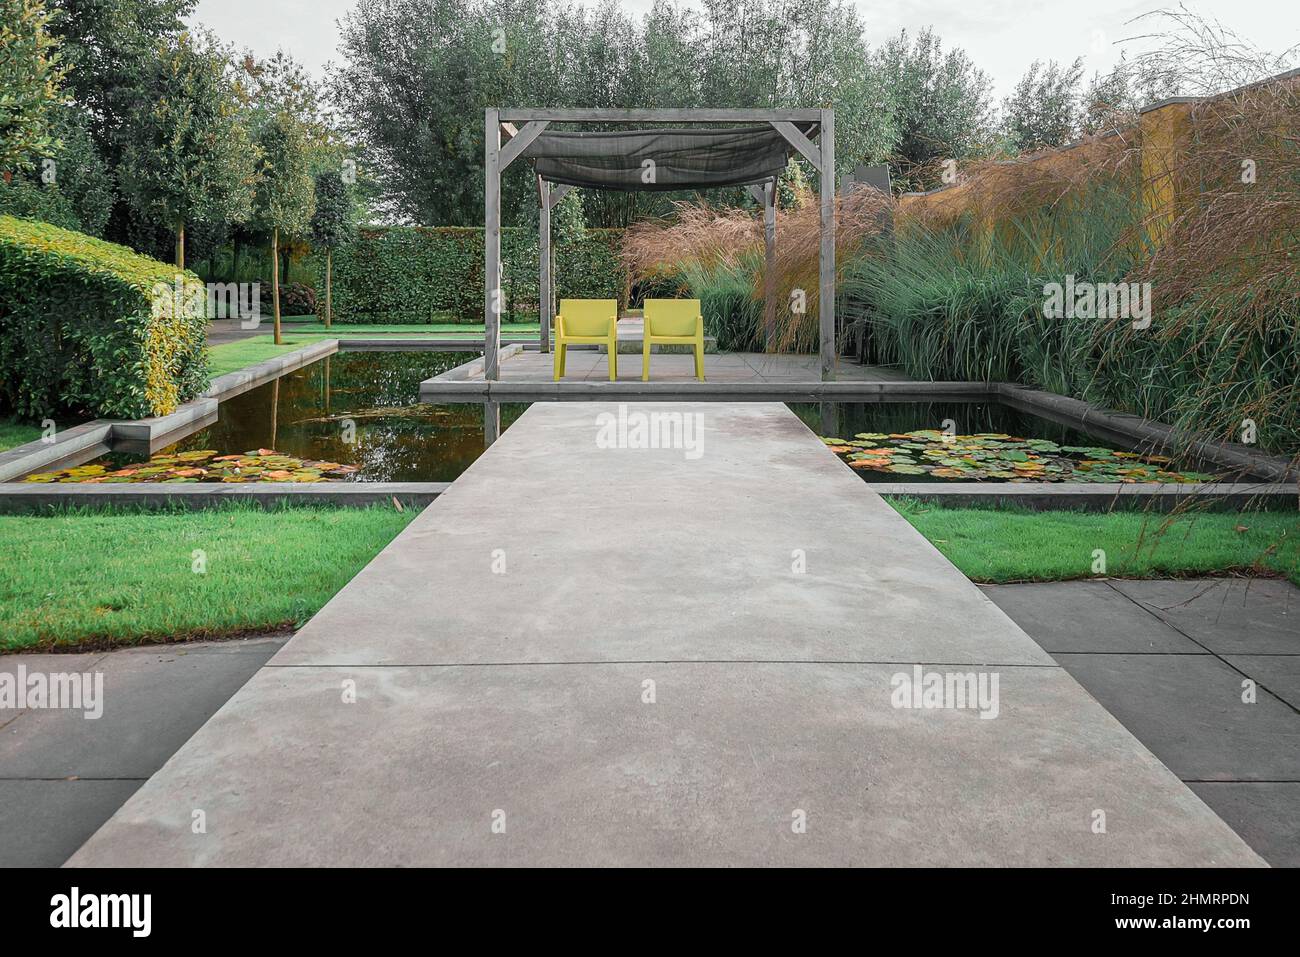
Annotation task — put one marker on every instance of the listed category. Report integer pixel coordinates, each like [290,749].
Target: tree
[1043,111]
[332,224]
[940,102]
[109,48]
[80,172]
[284,202]
[187,156]
[72,187]
[419,74]
[30,74]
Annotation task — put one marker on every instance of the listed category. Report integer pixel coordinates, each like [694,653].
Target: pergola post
[544,264]
[769,265]
[491,245]
[826,275]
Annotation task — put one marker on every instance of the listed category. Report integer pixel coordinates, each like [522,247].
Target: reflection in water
[358,408]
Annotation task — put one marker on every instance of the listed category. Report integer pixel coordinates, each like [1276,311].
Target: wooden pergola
[809,132]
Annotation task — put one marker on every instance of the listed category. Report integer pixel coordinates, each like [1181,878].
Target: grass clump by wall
[90,328]
[435,274]
[98,579]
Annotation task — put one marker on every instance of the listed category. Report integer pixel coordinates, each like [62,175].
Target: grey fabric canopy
[682,158]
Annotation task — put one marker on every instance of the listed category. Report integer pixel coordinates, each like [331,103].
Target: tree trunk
[275,283]
[329,302]
[180,245]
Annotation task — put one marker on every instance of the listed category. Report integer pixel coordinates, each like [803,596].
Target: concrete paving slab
[1280,674]
[757,715]
[1188,710]
[791,562]
[582,772]
[1087,616]
[1256,616]
[43,822]
[1266,815]
[154,699]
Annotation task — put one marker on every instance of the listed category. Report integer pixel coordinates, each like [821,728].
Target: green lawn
[297,324]
[13,434]
[1005,545]
[95,579]
[246,352]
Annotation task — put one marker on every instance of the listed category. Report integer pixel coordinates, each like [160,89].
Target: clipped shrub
[90,328]
[435,274]
[297,299]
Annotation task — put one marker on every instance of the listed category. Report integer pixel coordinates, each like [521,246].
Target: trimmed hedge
[91,328]
[435,274]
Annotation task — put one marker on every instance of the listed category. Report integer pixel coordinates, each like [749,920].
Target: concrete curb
[461,390]
[472,367]
[1052,496]
[22,497]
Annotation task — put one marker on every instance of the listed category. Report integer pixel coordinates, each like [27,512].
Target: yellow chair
[589,322]
[677,322]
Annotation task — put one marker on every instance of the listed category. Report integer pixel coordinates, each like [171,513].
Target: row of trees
[120,122]
[130,126]
[418,73]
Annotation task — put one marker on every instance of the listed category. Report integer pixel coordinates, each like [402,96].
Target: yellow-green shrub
[88,327]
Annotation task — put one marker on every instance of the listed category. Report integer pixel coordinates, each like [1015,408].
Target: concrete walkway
[655,657]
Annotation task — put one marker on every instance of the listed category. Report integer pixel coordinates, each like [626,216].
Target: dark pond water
[356,408]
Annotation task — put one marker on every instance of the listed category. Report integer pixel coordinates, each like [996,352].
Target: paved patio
[1168,658]
[62,776]
[543,685]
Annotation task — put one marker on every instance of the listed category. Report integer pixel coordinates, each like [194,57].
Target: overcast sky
[1002,36]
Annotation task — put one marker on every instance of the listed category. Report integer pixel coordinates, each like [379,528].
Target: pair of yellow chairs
[676,322]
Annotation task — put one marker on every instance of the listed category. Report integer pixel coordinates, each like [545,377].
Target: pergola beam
[795,138]
[662,116]
[520,141]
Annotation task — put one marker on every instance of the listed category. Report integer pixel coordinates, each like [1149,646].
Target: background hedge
[435,274]
[83,331]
